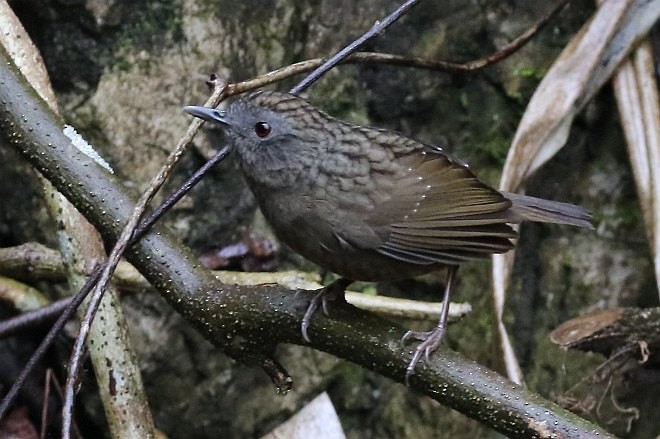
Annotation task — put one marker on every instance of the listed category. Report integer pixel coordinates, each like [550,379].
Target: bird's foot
[320,299]
[334,291]
[430,341]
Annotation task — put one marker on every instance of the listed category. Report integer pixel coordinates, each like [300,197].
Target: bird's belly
[370,266]
[309,233]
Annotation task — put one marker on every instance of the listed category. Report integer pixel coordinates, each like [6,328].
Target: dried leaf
[253,253]
[583,67]
[638,100]
[17,425]
[24,53]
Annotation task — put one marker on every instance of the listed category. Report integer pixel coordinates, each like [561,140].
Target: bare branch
[376,29]
[398,60]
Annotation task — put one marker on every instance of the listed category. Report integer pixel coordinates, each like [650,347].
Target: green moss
[522,82]
[151,28]
[529,72]
[350,377]
[497,149]
[465,101]
[625,214]
[337,93]
[370,290]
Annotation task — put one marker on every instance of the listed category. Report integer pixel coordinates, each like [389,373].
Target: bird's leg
[431,339]
[334,291]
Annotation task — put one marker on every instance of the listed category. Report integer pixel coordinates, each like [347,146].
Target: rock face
[123,70]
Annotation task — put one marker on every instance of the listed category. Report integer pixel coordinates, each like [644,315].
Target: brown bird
[370,204]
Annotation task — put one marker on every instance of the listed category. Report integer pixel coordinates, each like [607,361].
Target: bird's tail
[527,208]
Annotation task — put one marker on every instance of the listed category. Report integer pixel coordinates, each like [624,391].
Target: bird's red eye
[262,129]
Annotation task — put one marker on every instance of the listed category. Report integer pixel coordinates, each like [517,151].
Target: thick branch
[247,322]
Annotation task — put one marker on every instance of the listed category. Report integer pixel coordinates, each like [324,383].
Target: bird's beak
[208,114]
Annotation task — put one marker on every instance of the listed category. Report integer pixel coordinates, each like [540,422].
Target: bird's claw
[324,305]
[334,291]
[320,299]
[430,341]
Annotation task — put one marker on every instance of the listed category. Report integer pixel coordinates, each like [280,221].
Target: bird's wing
[431,209]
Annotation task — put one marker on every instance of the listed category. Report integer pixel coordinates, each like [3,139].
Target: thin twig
[71,304]
[183,190]
[47,342]
[32,319]
[120,388]
[376,29]
[44,410]
[514,45]
[398,60]
[48,313]
[124,240]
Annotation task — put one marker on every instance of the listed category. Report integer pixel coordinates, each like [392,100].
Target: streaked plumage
[366,203]
[338,203]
